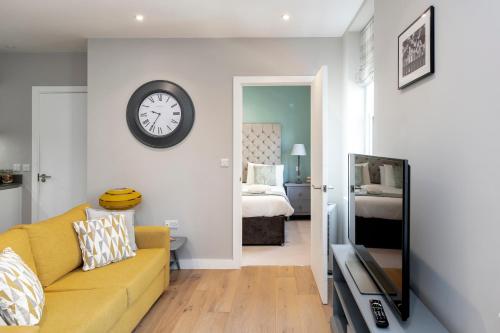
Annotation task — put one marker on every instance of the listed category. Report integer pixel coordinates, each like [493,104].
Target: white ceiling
[64,25]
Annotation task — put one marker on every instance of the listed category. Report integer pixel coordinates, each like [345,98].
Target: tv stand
[352,309]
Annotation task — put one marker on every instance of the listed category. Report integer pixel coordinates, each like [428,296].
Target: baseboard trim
[208,264]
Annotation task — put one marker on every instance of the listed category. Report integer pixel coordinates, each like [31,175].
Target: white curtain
[366,66]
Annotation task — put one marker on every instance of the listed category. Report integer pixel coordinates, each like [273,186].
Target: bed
[264,208]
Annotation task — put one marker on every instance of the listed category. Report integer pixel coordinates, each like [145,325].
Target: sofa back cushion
[55,245]
[17,240]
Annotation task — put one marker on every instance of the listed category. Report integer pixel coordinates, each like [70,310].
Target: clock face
[159,114]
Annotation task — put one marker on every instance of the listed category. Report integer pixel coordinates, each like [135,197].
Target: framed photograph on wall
[416,50]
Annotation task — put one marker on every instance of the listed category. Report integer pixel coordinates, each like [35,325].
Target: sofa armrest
[148,237]
[20,329]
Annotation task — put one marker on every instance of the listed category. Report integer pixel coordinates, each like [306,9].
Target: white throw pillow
[103,241]
[366,173]
[390,180]
[94,214]
[387,175]
[280,169]
[382,174]
[21,293]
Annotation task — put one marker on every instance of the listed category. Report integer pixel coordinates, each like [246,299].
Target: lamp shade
[298,150]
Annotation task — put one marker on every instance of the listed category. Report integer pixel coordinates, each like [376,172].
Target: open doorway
[319,165]
[276,189]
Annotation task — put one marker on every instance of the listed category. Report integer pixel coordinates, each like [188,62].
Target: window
[369,108]
[365,79]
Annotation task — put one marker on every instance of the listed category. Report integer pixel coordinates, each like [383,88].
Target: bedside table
[300,198]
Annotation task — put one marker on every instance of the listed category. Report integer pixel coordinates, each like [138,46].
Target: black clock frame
[185,103]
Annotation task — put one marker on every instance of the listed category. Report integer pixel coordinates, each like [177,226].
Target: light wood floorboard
[274,299]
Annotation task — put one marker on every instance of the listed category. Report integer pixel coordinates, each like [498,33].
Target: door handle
[325,188]
[43,177]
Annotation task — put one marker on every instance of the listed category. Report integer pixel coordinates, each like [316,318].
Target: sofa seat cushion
[96,310]
[134,274]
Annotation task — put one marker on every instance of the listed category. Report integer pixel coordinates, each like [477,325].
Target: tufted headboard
[261,144]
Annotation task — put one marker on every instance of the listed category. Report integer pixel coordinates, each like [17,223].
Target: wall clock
[160,114]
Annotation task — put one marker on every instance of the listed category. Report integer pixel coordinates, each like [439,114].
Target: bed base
[379,233]
[264,230]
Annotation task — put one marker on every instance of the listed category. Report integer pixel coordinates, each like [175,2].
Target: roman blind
[366,66]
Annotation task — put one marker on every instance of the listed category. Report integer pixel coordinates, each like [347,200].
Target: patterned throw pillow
[103,241]
[265,174]
[21,293]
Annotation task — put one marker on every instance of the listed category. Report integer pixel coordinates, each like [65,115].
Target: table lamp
[298,150]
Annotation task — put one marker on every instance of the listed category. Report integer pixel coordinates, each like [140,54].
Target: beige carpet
[295,252]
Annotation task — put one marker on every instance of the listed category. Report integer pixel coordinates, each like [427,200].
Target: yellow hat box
[120,198]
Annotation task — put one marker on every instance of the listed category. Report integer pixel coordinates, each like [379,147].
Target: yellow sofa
[112,298]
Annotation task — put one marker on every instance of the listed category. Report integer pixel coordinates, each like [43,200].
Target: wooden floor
[252,299]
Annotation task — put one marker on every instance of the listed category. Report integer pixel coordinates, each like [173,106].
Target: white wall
[18,73]
[447,126]
[185,182]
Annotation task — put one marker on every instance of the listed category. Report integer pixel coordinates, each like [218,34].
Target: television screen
[379,223]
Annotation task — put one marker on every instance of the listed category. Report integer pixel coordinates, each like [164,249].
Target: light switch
[26,167]
[16,167]
[224,162]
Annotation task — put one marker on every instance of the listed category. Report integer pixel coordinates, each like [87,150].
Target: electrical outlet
[172,224]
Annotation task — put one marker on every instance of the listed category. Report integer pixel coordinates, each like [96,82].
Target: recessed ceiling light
[139,17]
[285,17]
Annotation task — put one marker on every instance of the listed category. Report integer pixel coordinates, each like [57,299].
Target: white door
[59,150]
[319,181]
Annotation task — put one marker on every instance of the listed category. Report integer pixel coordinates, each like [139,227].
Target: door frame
[239,82]
[36,91]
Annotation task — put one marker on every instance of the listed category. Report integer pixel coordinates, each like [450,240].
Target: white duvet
[266,201]
[377,201]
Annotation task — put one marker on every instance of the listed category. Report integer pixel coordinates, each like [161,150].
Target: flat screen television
[379,224]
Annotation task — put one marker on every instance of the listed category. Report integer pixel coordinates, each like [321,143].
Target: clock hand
[158,116]
[155,112]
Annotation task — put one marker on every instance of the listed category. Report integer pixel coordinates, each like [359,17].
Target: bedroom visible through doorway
[276,170]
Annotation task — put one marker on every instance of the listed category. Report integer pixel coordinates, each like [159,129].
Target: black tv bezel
[367,260]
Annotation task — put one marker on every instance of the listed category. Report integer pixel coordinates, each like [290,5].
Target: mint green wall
[291,107]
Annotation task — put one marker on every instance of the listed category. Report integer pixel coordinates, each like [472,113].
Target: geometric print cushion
[21,293]
[103,241]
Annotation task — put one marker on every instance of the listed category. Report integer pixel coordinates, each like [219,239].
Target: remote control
[378,313]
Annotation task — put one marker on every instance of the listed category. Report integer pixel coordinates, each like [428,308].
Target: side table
[176,244]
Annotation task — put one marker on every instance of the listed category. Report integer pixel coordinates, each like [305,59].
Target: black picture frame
[421,33]
[186,122]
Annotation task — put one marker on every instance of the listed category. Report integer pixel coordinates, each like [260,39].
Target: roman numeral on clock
[144,114]
[177,113]
[160,97]
[151,99]
[174,121]
[159,130]
[145,122]
[173,105]
[152,128]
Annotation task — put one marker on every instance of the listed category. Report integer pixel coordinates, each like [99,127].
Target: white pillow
[280,169]
[366,173]
[95,214]
[21,293]
[382,174]
[103,241]
[387,175]
[390,180]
